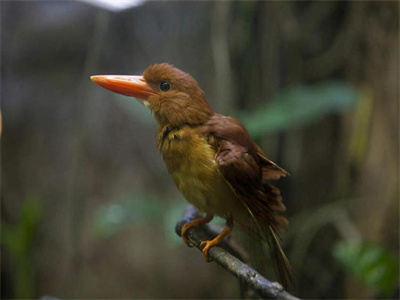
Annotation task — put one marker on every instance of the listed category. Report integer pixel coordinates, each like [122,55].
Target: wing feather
[246,168]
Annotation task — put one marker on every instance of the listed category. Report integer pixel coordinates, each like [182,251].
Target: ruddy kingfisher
[211,158]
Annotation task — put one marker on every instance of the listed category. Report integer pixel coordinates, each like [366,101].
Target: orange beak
[133,86]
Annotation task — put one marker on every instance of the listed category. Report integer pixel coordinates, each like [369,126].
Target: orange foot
[217,240]
[194,223]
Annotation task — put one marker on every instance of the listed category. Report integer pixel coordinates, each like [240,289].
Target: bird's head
[173,96]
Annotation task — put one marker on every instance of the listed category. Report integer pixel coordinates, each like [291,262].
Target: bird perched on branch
[211,158]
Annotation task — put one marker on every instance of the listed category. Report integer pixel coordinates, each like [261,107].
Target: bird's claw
[207,246]
[194,223]
[183,234]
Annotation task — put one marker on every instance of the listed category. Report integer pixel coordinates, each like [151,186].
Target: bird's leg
[194,223]
[218,239]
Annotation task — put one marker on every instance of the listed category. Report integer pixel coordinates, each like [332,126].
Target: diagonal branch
[249,276]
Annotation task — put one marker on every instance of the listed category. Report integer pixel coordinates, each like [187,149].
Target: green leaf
[299,106]
[18,239]
[370,263]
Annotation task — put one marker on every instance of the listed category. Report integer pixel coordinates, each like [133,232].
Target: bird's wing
[270,170]
[244,166]
[232,131]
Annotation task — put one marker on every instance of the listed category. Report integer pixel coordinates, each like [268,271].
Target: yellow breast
[191,162]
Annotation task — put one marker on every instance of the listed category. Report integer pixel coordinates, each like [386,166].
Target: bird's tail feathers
[265,225]
[281,263]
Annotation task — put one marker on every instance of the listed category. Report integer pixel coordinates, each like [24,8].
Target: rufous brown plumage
[211,158]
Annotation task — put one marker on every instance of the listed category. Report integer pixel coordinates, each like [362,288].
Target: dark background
[87,207]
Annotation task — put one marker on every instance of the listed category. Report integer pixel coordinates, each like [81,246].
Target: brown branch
[249,276]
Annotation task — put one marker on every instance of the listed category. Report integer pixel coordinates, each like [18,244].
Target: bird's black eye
[164,86]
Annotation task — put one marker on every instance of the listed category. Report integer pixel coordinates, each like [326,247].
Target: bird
[211,157]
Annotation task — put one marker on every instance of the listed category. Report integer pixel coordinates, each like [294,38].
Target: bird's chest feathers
[189,157]
[190,160]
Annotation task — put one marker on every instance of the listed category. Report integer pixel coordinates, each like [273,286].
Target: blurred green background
[87,207]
